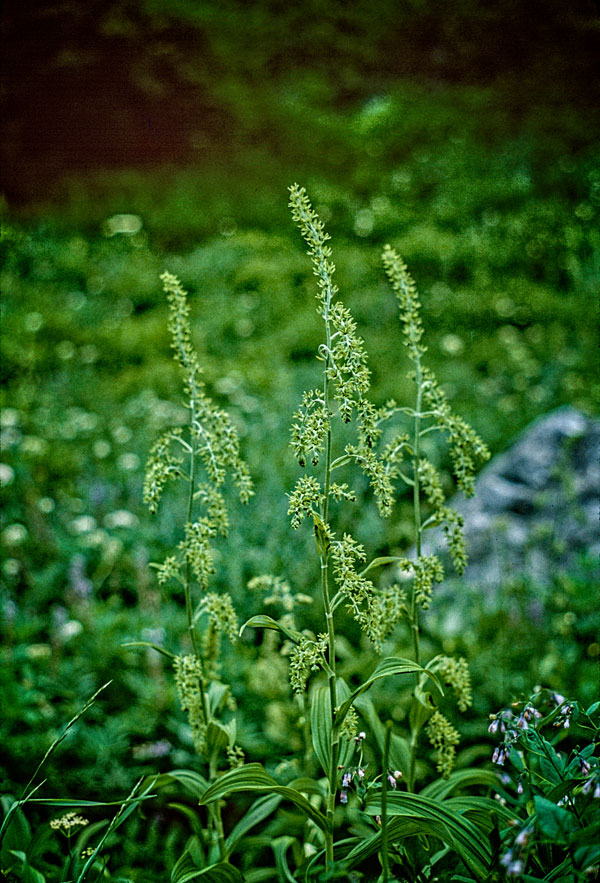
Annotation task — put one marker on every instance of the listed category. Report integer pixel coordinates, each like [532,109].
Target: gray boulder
[536,506]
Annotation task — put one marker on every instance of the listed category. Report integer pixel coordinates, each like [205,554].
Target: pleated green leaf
[260,810]
[483,811]
[193,782]
[412,814]
[185,870]
[321,722]
[320,725]
[253,777]
[219,736]
[392,665]
[280,847]
[267,622]
[442,788]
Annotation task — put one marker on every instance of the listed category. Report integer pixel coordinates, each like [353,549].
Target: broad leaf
[193,782]
[393,665]
[185,870]
[483,811]
[219,736]
[260,810]
[320,725]
[253,777]
[555,822]
[442,788]
[280,847]
[411,815]
[267,622]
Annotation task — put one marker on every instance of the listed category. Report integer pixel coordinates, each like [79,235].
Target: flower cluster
[305,499]
[162,466]
[309,431]
[444,738]
[278,591]
[306,657]
[379,475]
[466,447]
[451,521]
[427,570]
[408,301]
[222,616]
[68,821]
[188,678]
[515,858]
[345,555]
[455,673]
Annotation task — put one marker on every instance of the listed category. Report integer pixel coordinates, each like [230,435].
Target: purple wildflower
[343,796]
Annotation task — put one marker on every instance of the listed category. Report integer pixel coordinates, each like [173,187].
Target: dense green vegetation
[485,177]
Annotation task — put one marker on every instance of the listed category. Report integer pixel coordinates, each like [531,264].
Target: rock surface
[536,506]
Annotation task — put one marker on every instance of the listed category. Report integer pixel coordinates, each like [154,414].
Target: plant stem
[188,569]
[324,556]
[414,610]
[385,863]
[215,809]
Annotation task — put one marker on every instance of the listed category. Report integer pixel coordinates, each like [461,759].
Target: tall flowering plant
[387,448]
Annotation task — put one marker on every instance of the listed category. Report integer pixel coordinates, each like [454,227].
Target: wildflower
[68,821]
[343,797]
[494,726]
[360,737]
[346,779]
[444,737]
[500,755]
[455,673]
[564,717]
[522,838]
[584,766]
[360,772]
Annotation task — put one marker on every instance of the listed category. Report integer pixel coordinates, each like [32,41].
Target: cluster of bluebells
[508,724]
[515,858]
[511,722]
[356,775]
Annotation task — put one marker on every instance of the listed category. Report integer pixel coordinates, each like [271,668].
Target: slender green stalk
[414,609]
[189,609]
[324,556]
[385,861]
[216,809]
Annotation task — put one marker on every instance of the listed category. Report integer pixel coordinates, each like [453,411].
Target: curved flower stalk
[201,455]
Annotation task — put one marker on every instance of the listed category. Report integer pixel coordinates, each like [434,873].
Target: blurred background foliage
[145,135]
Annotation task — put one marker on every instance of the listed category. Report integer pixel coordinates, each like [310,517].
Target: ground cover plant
[370,779]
